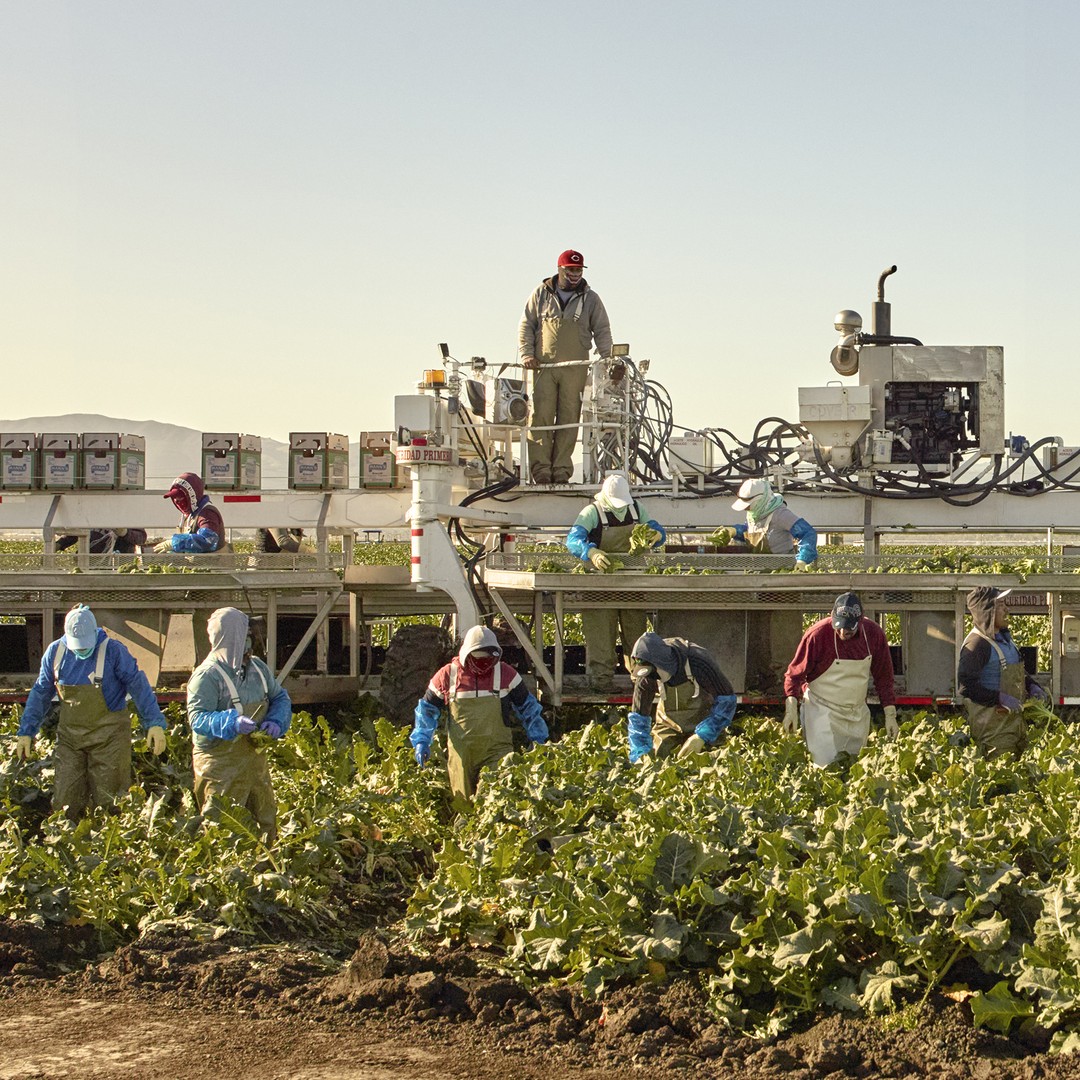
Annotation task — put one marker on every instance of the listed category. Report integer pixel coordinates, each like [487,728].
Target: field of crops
[779,890]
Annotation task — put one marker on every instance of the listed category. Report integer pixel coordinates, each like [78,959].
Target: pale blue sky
[263,216]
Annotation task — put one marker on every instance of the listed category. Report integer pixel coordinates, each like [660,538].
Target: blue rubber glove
[532,719]
[639,731]
[1008,702]
[422,752]
[268,727]
[245,725]
[718,720]
[425,721]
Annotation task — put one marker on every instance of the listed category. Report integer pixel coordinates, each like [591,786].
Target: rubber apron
[680,709]
[835,715]
[93,743]
[237,768]
[994,730]
[600,627]
[476,734]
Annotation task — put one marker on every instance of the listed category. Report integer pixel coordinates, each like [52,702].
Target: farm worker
[93,674]
[563,318]
[479,689]
[829,675]
[105,541]
[771,528]
[991,676]
[230,696]
[602,528]
[201,527]
[680,684]
[275,541]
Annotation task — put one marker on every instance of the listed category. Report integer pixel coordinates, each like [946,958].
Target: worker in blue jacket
[602,529]
[93,675]
[682,686]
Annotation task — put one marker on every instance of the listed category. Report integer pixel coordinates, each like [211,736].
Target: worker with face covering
[604,528]
[93,675]
[479,689]
[232,695]
[830,674]
[771,528]
[992,678]
[680,684]
[201,528]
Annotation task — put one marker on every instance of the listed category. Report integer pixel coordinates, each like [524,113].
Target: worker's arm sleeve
[639,732]
[973,658]
[655,525]
[797,675]
[881,669]
[718,720]
[803,531]
[601,328]
[204,696]
[131,678]
[40,697]
[425,721]
[578,542]
[528,711]
[644,700]
[739,535]
[279,704]
[221,723]
[528,329]
[197,543]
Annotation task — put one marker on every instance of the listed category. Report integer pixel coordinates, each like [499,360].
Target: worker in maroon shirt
[830,673]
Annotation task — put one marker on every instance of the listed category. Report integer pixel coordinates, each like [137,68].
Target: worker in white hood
[479,690]
[602,529]
[232,695]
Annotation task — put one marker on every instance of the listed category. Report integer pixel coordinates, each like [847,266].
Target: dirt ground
[170,1007]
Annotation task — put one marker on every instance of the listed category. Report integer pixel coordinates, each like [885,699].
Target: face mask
[482,665]
[85,654]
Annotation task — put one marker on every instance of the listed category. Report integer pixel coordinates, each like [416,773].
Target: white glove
[800,565]
[155,740]
[892,728]
[694,745]
[24,747]
[165,545]
[599,559]
[791,716]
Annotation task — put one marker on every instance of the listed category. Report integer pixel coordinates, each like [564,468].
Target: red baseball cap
[572,258]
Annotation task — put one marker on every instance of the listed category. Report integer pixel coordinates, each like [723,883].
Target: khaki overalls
[680,709]
[995,731]
[475,734]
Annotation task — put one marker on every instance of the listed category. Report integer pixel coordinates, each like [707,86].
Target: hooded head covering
[614,494]
[652,649]
[80,629]
[186,492]
[228,629]
[980,602]
[479,638]
[757,498]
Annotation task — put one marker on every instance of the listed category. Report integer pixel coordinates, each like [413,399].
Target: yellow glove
[165,545]
[892,728]
[694,745]
[599,559]
[24,747]
[155,740]
[800,565]
[723,537]
[791,716]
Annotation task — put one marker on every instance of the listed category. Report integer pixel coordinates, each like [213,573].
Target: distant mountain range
[170,449]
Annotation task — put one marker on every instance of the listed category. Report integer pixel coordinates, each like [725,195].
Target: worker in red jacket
[829,675]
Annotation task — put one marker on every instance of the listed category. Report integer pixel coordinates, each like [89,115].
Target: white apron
[835,715]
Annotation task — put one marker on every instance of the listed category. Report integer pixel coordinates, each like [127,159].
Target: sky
[264,216]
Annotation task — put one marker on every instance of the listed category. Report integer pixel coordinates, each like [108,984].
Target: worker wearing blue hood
[604,528]
[232,695]
[991,677]
[680,684]
[93,675]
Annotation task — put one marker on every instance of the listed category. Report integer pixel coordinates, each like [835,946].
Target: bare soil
[171,1007]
